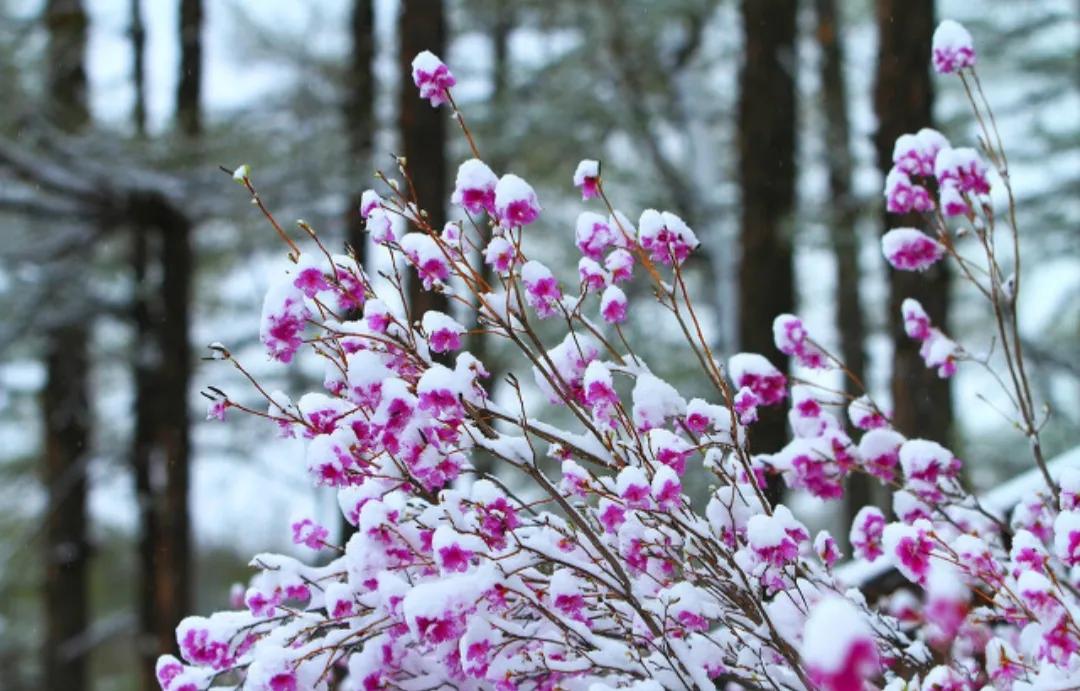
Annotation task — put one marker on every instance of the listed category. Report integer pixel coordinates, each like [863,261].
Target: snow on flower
[594,234]
[962,168]
[284,315]
[910,249]
[613,305]
[665,237]
[587,178]
[542,291]
[904,196]
[791,338]
[474,187]
[515,201]
[432,77]
[838,646]
[443,331]
[759,375]
[914,154]
[866,532]
[953,48]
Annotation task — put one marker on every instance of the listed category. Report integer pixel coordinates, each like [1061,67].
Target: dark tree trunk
[766,135]
[189,85]
[65,399]
[903,101]
[67,548]
[422,26]
[842,217]
[359,116]
[162,267]
[145,359]
[138,73]
[66,86]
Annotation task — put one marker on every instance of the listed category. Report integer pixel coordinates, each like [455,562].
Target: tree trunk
[422,26]
[138,72]
[842,217]
[189,85]
[903,101]
[162,268]
[766,136]
[65,399]
[359,114]
[67,549]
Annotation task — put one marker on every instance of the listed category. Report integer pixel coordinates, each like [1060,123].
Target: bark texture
[422,26]
[903,101]
[766,139]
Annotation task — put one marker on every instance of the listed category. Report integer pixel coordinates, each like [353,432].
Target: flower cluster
[602,573]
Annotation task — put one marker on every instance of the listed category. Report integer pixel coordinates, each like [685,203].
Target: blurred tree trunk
[162,267]
[842,217]
[189,84]
[359,115]
[138,68]
[422,26]
[766,137]
[903,102]
[65,400]
[359,123]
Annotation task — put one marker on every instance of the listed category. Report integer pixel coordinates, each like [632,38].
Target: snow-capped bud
[914,154]
[665,236]
[621,265]
[593,234]
[587,177]
[515,201]
[953,48]
[758,374]
[242,173]
[541,289]
[443,331]
[963,168]
[592,276]
[910,249]
[613,305]
[838,646]
[474,187]
[432,77]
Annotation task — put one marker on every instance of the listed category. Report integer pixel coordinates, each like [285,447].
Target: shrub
[603,575]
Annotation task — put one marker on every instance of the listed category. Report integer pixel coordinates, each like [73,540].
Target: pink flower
[838,646]
[499,254]
[746,405]
[587,177]
[216,409]
[914,154]
[443,331]
[953,48]
[592,276]
[866,532]
[613,305]
[283,318]
[427,257]
[910,249]
[909,548]
[515,201]
[903,196]
[760,376]
[916,321]
[621,265]
[666,488]
[665,237]
[432,77]
[633,487]
[826,549]
[541,289]
[964,169]
[307,532]
[879,450]
[952,200]
[474,188]
[593,234]
[791,338]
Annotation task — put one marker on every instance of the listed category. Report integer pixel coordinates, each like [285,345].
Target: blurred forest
[765,124]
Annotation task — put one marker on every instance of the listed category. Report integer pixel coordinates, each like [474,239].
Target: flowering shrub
[603,575]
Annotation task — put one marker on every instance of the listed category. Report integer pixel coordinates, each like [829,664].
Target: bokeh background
[124,250]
